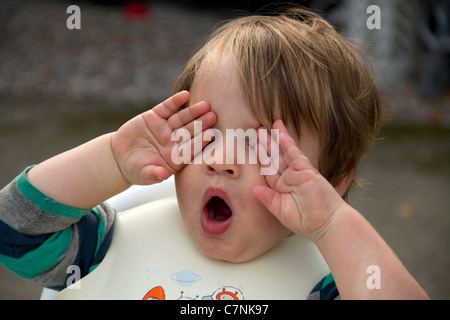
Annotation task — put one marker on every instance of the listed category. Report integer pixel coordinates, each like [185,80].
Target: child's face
[216,201]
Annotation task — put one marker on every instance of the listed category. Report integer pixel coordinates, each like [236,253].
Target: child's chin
[226,255]
[219,256]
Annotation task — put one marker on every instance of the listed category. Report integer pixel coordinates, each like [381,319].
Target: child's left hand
[298,195]
[306,203]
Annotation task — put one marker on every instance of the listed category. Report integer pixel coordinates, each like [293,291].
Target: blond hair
[295,60]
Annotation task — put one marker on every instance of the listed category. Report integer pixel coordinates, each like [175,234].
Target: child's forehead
[224,70]
[215,76]
[218,83]
[218,65]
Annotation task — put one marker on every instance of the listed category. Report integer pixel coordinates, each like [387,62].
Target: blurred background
[62,87]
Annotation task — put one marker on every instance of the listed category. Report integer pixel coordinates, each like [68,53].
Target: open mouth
[216,214]
[218,210]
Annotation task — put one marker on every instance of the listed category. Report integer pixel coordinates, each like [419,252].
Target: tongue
[219,210]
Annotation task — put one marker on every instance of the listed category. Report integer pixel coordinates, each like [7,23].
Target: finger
[198,143]
[268,139]
[293,178]
[189,114]
[263,158]
[192,149]
[202,123]
[169,106]
[281,129]
[279,125]
[293,156]
[269,198]
[154,174]
[263,138]
[269,152]
[262,153]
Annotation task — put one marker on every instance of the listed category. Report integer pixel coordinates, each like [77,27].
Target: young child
[290,72]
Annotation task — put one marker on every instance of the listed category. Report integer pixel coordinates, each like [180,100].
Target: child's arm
[138,153]
[309,206]
[50,217]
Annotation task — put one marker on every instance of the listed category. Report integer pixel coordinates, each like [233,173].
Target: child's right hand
[142,147]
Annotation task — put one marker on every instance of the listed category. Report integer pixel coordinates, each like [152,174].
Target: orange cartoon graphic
[157,293]
[225,293]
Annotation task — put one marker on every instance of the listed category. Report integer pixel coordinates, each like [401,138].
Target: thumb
[269,198]
[153,174]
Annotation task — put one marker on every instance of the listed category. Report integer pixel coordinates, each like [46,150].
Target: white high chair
[288,271]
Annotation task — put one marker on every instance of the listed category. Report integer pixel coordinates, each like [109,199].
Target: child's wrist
[117,168]
[334,222]
[116,161]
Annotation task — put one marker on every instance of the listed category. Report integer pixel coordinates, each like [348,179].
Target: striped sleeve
[40,238]
[325,290]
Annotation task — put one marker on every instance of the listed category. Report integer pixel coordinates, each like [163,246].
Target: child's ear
[342,186]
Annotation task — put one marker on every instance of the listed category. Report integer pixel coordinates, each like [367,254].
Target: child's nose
[229,169]
[221,158]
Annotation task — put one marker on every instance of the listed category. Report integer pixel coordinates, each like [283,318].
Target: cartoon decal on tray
[157,293]
[223,293]
[187,278]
